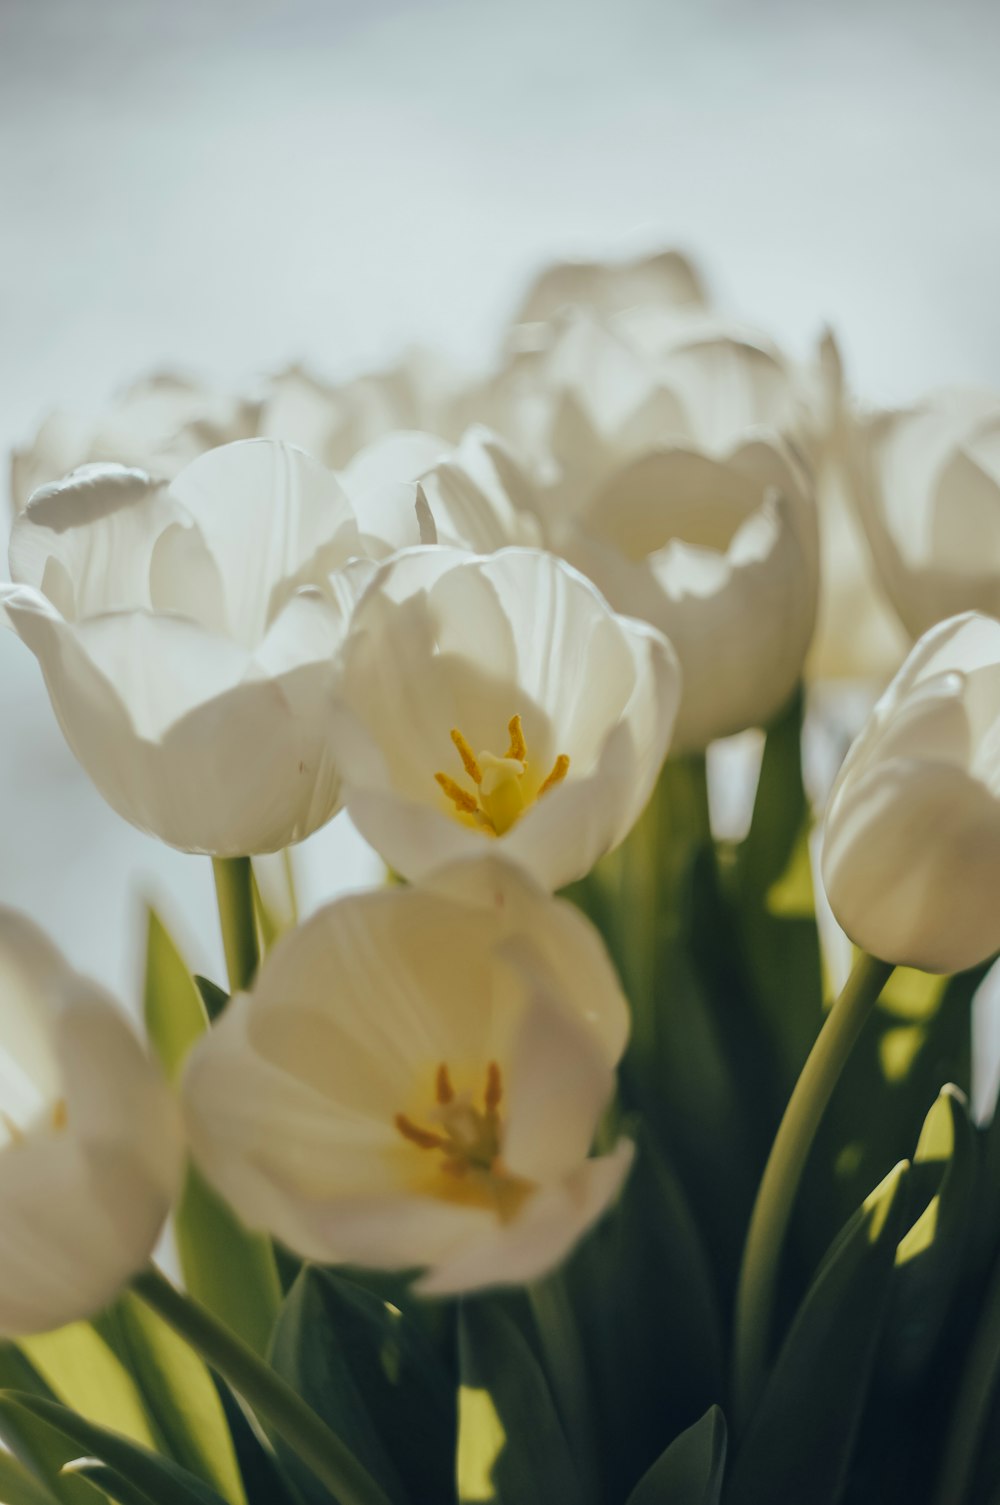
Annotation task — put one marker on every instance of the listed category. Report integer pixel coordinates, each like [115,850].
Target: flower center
[501,795]
[54,1119]
[467,1136]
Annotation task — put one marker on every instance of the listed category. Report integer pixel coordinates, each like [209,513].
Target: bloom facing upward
[911,843]
[186,634]
[498,700]
[90,1143]
[416,1079]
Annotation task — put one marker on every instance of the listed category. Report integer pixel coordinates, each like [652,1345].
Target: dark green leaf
[44,1450]
[511,1446]
[929,1260]
[651,1328]
[112,1484]
[799,1443]
[212,996]
[365,1366]
[164,1481]
[691,1470]
[18,1486]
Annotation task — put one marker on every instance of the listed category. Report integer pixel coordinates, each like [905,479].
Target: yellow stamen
[560,769]
[443,1090]
[518,747]
[466,802]
[467,756]
[60,1114]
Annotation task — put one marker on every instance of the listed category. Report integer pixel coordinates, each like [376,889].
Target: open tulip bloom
[561,1167]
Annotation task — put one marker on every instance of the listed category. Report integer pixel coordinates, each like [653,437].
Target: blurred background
[226,185]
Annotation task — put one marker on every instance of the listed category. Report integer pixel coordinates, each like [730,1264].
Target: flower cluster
[499,619]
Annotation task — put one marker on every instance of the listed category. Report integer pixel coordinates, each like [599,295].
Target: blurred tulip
[90,1141]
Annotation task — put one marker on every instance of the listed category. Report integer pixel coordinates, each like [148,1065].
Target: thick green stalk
[973,1403]
[321,1450]
[234,889]
[783,1172]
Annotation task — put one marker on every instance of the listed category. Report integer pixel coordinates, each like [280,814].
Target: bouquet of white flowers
[565,1168]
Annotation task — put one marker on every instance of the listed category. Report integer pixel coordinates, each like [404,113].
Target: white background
[225,186]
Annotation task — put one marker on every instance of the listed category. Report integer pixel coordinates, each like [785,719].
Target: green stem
[265,1392]
[234,889]
[783,1172]
[566,1368]
[971,1410]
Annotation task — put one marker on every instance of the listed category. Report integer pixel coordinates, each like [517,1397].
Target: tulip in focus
[90,1143]
[498,701]
[416,1080]
[187,637]
[911,844]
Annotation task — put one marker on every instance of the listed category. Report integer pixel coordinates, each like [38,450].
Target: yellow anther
[460,797]
[560,769]
[467,756]
[425,1139]
[503,785]
[518,747]
[443,1090]
[60,1114]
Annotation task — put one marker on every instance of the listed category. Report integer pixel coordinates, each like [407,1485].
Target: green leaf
[212,996]
[691,1470]
[18,1486]
[929,1259]
[162,1480]
[775,906]
[511,1446]
[82,1370]
[801,1436]
[178,1393]
[227,1268]
[917,1039]
[651,1327]
[44,1450]
[365,1366]
[174,1013]
[110,1483]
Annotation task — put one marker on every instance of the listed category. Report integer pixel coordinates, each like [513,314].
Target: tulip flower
[498,701]
[415,1082]
[90,1142]
[721,556]
[187,636]
[666,279]
[911,844]
[158,424]
[927,483]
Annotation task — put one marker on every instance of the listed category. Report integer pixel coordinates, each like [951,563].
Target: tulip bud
[911,846]
[90,1142]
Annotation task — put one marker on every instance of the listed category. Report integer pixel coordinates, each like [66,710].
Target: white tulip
[187,636]
[720,554]
[415,1082]
[158,424]
[928,487]
[334,421]
[911,846]
[666,279]
[498,699]
[90,1140]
